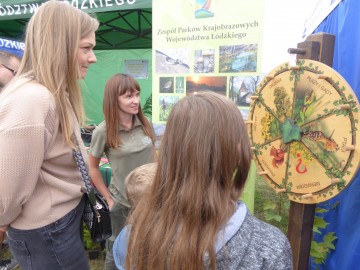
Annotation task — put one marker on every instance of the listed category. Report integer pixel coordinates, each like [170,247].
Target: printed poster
[205,45]
[137,68]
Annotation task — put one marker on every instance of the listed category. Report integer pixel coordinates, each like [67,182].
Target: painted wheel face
[303,126]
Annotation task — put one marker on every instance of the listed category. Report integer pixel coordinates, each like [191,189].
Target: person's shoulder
[260,237]
[149,119]
[32,90]
[138,122]
[257,245]
[26,103]
[30,94]
[270,245]
[98,138]
[102,125]
[270,235]
[120,247]
[100,128]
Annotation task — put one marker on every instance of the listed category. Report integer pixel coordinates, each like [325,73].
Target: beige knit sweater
[39,178]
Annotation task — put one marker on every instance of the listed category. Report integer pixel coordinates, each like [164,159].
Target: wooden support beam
[327,44]
[301,218]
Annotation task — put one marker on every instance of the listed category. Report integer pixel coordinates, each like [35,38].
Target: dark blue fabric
[344,220]
[12,46]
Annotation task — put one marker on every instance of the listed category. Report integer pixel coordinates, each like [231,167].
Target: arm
[97,148]
[18,178]
[97,179]
[22,144]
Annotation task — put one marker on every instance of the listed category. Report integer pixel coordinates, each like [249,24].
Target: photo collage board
[205,45]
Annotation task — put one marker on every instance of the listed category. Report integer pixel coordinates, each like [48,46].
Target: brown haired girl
[126,136]
[192,218]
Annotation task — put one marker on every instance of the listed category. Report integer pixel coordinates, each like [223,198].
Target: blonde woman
[40,112]
[192,218]
[127,139]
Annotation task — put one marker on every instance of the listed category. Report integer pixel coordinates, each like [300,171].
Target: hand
[110,202]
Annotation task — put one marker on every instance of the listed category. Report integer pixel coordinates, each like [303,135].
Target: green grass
[264,196]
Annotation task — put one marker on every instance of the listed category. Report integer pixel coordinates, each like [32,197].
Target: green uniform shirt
[135,150]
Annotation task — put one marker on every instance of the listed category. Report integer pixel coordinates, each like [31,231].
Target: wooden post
[319,47]
[301,221]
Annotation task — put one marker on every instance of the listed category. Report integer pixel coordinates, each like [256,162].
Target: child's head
[203,164]
[138,181]
[205,151]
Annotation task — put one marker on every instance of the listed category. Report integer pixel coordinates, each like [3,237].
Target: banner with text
[12,46]
[202,45]
[19,9]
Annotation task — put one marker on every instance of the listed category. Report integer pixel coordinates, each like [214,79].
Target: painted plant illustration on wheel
[303,125]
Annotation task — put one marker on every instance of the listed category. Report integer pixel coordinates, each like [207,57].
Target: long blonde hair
[203,164]
[117,86]
[51,43]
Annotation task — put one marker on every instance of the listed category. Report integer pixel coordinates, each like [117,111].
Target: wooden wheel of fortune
[303,126]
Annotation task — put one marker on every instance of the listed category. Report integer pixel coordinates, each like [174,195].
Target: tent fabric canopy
[124,24]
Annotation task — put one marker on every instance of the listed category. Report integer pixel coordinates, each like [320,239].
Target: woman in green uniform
[127,139]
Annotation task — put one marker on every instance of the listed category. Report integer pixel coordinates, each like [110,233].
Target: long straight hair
[117,86]
[51,44]
[203,165]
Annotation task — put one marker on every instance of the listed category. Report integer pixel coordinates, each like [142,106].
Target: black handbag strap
[83,170]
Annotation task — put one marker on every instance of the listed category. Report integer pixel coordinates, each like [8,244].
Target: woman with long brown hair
[126,137]
[192,218]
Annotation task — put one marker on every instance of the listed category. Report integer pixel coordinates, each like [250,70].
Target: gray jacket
[245,243]
[255,245]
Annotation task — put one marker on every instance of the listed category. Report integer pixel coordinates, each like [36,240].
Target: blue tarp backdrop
[13,46]
[344,220]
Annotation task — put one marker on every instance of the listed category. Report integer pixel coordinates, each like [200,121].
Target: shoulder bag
[96,213]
